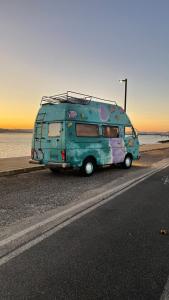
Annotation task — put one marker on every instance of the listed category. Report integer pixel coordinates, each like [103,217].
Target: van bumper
[50,164]
[58,165]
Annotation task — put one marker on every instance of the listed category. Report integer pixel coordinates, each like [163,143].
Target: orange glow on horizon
[29,124]
[17,126]
[16,122]
[151,125]
[21,115]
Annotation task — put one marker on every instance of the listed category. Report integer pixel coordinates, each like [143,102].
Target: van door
[115,144]
[54,141]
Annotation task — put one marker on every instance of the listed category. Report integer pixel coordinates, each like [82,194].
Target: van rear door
[48,141]
[55,141]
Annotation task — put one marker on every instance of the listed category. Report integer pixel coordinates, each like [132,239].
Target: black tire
[54,170]
[88,167]
[127,162]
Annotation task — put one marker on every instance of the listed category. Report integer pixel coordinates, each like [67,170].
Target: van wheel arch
[130,155]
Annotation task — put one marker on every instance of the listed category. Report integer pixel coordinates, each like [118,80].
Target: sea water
[15,144]
[19,144]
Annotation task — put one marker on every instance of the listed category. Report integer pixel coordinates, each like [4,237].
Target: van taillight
[32,153]
[63,153]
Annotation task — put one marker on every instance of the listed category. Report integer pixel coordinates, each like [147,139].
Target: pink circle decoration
[104,113]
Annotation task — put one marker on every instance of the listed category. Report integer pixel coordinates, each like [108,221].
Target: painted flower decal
[72,114]
[130,143]
[69,124]
[121,110]
[113,108]
[117,117]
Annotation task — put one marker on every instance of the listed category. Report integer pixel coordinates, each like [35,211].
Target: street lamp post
[125,95]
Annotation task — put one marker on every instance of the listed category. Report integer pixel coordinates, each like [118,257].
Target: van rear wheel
[88,167]
[127,162]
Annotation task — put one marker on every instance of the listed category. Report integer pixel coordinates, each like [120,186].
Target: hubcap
[128,162]
[89,168]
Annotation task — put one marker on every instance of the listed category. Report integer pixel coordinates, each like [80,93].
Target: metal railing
[74,98]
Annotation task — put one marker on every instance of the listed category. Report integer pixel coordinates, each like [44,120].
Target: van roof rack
[74,98]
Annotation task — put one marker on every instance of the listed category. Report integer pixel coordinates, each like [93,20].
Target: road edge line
[69,219]
[165,293]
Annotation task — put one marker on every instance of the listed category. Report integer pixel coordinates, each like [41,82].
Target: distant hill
[153,133]
[3,130]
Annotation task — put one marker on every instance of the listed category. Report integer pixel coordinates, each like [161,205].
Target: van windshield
[54,129]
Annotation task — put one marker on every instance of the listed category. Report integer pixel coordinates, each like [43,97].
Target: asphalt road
[114,252]
[26,195]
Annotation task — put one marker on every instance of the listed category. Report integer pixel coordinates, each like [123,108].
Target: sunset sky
[52,46]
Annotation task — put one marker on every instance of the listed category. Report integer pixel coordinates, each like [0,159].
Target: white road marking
[165,179]
[117,191]
[165,294]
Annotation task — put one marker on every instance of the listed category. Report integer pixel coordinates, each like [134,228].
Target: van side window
[89,130]
[111,131]
[128,130]
[54,129]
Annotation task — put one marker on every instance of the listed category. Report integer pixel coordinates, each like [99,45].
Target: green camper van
[78,131]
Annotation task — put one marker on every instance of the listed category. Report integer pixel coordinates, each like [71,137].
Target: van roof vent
[74,98]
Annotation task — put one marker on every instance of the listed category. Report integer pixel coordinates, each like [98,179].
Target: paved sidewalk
[151,147]
[16,165]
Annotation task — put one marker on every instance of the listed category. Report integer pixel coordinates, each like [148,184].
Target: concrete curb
[21,170]
[49,225]
[41,167]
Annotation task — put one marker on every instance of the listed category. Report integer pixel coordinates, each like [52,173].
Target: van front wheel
[88,167]
[127,162]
